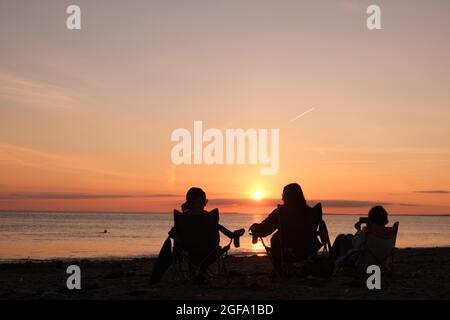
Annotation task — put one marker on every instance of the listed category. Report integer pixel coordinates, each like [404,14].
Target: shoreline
[107,258]
[419,273]
[152,256]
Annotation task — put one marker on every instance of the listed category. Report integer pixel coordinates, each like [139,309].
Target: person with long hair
[294,225]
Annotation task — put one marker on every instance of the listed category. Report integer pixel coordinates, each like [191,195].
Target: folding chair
[314,240]
[197,245]
[379,247]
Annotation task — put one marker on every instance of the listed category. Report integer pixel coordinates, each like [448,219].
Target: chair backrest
[197,233]
[298,229]
[322,230]
[379,243]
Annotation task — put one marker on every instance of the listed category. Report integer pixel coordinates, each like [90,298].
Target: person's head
[293,195]
[195,199]
[378,215]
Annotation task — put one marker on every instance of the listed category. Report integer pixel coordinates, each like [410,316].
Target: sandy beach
[419,274]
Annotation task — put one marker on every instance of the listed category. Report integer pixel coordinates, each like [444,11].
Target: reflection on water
[65,235]
[257,247]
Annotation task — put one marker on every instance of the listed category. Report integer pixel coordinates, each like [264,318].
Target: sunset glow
[86,116]
[257,195]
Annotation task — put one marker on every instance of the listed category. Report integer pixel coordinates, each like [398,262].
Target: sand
[418,274]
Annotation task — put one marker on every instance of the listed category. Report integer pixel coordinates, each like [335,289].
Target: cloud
[34,158]
[243,202]
[326,203]
[36,93]
[347,203]
[433,191]
[78,196]
[268,202]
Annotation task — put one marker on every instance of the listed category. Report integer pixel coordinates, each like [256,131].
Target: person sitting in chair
[196,237]
[296,227]
[346,244]
[195,204]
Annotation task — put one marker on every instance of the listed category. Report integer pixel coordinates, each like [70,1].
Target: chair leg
[189,271]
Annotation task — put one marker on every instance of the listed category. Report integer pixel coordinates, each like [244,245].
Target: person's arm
[225,231]
[267,226]
[361,221]
[359,239]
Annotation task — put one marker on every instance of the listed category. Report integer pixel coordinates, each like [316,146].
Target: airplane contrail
[302,114]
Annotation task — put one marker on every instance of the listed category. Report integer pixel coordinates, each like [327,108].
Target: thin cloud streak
[433,191]
[216,202]
[327,203]
[79,196]
[31,93]
[29,157]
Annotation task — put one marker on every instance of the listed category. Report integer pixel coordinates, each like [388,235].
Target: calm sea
[80,235]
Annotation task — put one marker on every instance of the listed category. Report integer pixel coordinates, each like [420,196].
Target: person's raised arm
[226,232]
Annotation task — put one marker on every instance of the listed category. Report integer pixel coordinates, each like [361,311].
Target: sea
[65,235]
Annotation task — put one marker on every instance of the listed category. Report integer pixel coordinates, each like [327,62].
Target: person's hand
[358,226]
[250,230]
[238,233]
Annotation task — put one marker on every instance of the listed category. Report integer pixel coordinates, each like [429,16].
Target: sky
[86,115]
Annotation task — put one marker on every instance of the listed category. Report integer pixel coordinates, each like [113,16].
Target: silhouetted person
[195,204]
[345,243]
[295,225]
[196,237]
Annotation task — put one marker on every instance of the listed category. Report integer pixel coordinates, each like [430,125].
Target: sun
[257,195]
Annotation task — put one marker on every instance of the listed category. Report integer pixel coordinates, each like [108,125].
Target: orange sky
[86,116]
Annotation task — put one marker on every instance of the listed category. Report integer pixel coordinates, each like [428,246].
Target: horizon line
[222,212]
